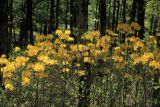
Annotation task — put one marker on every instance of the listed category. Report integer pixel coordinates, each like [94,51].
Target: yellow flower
[17,49]
[21,61]
[25,81]
[58,32]
[39,67]
[81,72]
[4,61]
[32,50]
[127,75]
[138,44]
[9,86]
[117,58]
[66,69]
[68,32]
[70,39]
[87,59]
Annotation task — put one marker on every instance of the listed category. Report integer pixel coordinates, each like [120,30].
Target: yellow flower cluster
[51,53]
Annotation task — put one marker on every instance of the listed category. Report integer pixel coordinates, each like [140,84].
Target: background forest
[79,53]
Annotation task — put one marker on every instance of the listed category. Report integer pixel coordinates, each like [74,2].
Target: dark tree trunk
[4,27]
[113,15]
[71,15]
[97,16]
[109,14]
[134,10]
[102,16]
[117,18]
[155,27]
[151,25]
[45,28]
[82,15]
[10,24]
[66,15]
[30,20]
[4,42]
[82,26]
[22,26]
[52,17]
[57,14]
[124,11]
[141,17]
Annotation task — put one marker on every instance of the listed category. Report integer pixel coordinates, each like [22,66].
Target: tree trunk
[57,14]
[102,16]
[151,25]
[4,48]
[30,20]
[52,17]
[82,26]
[4,27]
[71,15]
[66,15]
[141,17]
[96,16]
[113,15]
[109,14]
[124,11]
[10,22]
[134,10]
[117,18]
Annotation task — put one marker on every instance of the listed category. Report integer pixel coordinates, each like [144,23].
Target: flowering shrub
[56,59]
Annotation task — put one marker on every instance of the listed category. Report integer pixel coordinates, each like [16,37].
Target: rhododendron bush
[49,71]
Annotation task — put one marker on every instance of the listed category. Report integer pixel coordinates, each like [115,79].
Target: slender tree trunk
[57,14]
[66,14]
[117,18]
[81,19]
[52,17]
[4,48]
[71,15]
[4,27]
[96,16]
[134,11]
[124,11]
[10,22]
[113,15]
[155,27]
[151,25]
[45,27]
[30,20]
[141,17]
[82,15]
[109,14]
[102,16]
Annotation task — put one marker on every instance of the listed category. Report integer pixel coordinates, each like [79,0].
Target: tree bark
[141,17]
[52,17]
[124,11]
[4,27]
[4,42]
[102,16]
[134,11]
[57,14]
